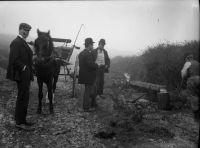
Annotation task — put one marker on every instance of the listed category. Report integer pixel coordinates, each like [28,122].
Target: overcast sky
[128,27]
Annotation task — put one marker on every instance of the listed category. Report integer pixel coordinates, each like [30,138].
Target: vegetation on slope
[160,64]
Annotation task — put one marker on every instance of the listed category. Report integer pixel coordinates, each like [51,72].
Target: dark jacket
[107,59]
[194,68]
[20,55]
[87,67]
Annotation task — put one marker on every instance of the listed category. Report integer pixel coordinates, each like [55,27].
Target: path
[70,127]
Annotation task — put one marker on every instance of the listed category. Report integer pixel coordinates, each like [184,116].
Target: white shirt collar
[100,50]
[22,37]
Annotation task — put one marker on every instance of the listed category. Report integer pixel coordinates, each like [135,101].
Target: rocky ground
[118,122]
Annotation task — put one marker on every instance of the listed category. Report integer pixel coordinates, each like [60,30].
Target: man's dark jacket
[87,67]
[107,59]
[20,55]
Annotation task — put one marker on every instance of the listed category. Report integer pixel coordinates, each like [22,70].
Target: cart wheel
[65,72]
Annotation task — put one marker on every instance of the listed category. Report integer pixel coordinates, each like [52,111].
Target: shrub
[160,64]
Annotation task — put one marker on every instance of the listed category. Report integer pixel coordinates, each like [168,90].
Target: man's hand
[101,65]
[24,68]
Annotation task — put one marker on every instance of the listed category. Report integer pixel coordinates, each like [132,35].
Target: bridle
[47,46]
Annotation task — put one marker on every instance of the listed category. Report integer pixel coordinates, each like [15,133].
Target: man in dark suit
[103,60]
[87,75]
[20,70]
[190,72]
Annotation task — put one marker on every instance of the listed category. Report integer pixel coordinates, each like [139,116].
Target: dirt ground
[116,123]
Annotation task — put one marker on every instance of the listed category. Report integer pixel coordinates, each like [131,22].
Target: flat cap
[25,26]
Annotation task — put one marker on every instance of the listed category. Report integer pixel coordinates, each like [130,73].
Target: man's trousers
[100,80]
[23,87]
[89,97]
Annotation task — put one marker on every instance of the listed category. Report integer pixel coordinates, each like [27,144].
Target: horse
[46,67]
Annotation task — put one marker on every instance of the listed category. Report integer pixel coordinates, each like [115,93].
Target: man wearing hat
[103,60]
[87,75]
[20,70]
[190,72]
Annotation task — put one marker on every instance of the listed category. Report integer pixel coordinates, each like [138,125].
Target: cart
[64,53]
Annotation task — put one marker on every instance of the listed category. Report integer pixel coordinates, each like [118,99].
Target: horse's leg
[55,80]
[40,96]
[50,95]
[46,98]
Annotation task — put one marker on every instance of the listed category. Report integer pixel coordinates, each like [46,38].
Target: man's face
[101,46]
[24,32]
[91,47]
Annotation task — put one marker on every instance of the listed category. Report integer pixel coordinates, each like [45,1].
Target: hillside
[116,123]
[4,49]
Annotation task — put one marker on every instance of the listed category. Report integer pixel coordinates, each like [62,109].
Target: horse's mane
[43,38]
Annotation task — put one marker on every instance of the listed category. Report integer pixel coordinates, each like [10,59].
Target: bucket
[163,100]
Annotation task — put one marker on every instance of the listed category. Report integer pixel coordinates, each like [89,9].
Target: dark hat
[24,26]
[102,41]
[89,41]
[189,57]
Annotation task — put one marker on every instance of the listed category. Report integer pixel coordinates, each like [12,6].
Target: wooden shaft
[61,40]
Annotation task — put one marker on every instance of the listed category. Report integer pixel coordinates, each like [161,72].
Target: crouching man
[190,71]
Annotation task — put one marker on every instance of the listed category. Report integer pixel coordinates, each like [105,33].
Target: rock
[61,132]
[4,132]
[1,116]
[40,125]
[12,122]
[79,120]
[143,101]
[3,140]
[28,146]
[152,140]
[153,117]
[43,136]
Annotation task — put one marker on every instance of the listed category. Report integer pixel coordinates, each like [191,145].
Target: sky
[128,27]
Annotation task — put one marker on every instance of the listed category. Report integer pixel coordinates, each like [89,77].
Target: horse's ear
[38,31]
[48,32]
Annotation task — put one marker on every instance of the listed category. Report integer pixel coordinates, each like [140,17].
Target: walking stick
[74,76]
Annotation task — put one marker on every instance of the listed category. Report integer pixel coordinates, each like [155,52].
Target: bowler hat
[89,41]
[189,57]
[25,26]
[102,41]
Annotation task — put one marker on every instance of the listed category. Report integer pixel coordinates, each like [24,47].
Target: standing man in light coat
[103,60]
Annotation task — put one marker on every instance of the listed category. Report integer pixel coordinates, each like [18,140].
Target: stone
[1,116]
[28,146]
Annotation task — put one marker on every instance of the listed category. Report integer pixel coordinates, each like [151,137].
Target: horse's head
[43,44]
